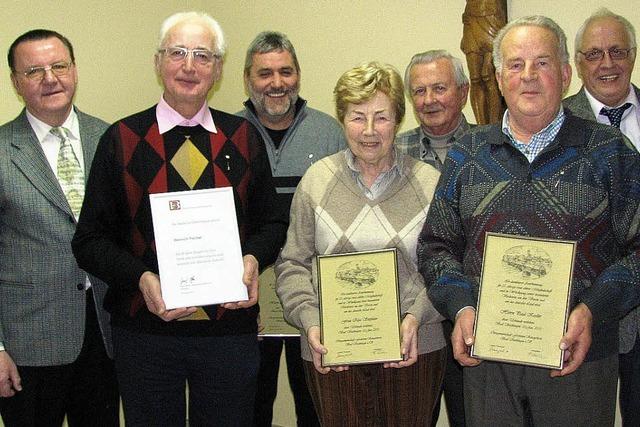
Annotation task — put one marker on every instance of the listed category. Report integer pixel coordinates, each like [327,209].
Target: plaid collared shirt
[539,140]
[415,143]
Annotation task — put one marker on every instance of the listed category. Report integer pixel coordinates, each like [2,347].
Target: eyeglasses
[179,54]
[615,53]
[58,69]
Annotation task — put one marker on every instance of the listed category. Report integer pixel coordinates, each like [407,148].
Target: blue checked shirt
[539,140]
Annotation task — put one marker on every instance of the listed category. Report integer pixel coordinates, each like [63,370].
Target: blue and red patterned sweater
[584,186]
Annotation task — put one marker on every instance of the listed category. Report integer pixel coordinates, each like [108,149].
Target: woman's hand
[317,350]
[409,345]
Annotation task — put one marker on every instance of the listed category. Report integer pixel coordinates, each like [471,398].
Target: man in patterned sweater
[548,174]
[180,144]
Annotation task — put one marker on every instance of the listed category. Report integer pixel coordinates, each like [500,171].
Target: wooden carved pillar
[482,19]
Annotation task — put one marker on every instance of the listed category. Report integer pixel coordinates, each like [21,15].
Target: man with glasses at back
[54,333]
[605,54]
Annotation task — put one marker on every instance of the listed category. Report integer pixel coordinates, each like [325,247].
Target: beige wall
[115,41]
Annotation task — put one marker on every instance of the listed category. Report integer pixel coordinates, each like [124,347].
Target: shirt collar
[548,133]
[42,129]
[596,105]
[168,118]
[397,161]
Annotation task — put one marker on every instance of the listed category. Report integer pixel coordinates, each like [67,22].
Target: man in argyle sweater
[179,144]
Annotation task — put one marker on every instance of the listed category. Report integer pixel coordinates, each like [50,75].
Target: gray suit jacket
[579,105]
[42,311]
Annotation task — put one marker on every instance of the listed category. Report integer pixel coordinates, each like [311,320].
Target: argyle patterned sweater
[114,238]
[331,215]
[584,187]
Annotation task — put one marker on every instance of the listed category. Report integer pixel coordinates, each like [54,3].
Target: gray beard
[261,107]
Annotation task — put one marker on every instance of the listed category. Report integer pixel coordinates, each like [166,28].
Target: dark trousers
[372,396]
[153,372]
[267,388]
[85,390]
[629,371]
[452,386]
[503,394]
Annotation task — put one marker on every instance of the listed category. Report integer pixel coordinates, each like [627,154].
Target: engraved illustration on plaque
[527,261]
[358,274]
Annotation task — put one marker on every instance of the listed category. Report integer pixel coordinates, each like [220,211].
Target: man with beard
[295,136]
[605,52]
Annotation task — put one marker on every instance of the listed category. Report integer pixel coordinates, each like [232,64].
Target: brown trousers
[370,395]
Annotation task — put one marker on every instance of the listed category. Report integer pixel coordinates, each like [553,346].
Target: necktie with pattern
[70,173]
[615,114]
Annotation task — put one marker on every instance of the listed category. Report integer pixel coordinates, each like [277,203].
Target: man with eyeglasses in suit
[180,144]
[54,333]
[605,55]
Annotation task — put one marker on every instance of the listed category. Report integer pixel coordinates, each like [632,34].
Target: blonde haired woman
[364,198]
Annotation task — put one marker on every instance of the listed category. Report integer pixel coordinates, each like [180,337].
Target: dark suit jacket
[579,105]
[42,311]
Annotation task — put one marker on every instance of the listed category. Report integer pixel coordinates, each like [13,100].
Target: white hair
[432,56]
[532,21]
[201,17]
[599,14]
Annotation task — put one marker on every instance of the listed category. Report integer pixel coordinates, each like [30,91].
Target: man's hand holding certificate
[199,256]
[150,287]
[250,279]
[523,301]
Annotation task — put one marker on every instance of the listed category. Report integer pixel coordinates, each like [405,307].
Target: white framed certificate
[198,247]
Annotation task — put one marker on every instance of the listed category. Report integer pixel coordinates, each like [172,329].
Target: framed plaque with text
[523,301]
[272,323]
[359,307]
